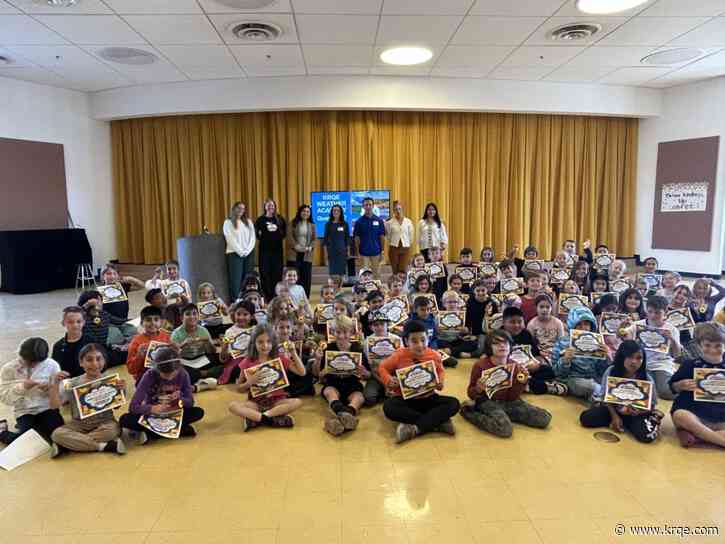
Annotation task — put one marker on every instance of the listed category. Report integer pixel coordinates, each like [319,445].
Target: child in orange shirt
[423,414]
[151,324]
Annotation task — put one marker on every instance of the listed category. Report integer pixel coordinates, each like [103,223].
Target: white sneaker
[206,384]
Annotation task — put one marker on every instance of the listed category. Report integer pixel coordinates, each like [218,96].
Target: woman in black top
[336,242]
[271,230]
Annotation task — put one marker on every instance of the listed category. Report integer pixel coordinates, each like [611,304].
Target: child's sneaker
[138,438]
[115,446]
[334,426]
[283,421]
[405,432]
[557,388]
[447,428]
[249,424]
[349,421]
[206,384]
[187,431]
[56,450]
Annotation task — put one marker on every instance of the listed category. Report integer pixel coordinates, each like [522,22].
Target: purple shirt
[152,389]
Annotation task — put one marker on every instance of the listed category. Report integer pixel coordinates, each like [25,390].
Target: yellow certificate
[210,309]
[681,319]
[559,275]
[436,270]
[710,384]
[653,339]
[568,302]
[512,285]
[521,354]
[272,377]
[627,392]
[451,320]
[497,379]
[98,396]
[416,380]
[342,363]
[112,292]
[487,269]
[588,344]
[381,347]
[324,313]
[239,343]
[467,273]
[610,323]
[166,425]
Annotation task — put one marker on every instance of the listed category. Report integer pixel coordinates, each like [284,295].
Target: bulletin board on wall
[685,190]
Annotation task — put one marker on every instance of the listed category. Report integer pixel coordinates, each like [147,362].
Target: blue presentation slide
[351,203]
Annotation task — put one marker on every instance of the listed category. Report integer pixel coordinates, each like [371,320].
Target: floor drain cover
[604,436]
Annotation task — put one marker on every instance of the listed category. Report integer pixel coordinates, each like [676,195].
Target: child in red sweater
[152,332]
[495,415]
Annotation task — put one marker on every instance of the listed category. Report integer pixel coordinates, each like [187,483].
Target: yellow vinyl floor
[302,486]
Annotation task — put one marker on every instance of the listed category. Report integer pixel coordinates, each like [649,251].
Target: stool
[84,276]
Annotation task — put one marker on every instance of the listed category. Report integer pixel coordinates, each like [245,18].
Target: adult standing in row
[301,237]
[431,231]
[239,234]
[399,233]
[369,235]
[271,230]
[336,242]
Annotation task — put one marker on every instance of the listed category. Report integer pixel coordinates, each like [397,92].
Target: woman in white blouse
[239,234]
[399,233]
[431,231]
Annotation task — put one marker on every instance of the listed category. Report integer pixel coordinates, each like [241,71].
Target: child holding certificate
[630,363]
[175,288]
[497,406]
[696,420]
[98,432]
[375,300]
[212,309]
[343,392]
[378,346]
[704,301]
[535,286]
[270,409]
[452,338]
[290,347]
[195,348]
[479,306]
[632,304]
[151,332]
[546,328]
[236,340]
[579,372]
[24,385]
[65,350]
[428,412]
[103,328]
[164,389]
[421,286]
[440,284]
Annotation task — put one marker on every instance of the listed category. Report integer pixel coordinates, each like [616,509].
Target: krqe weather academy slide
[351,203]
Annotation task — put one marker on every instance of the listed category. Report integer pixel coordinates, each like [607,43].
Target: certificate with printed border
[239,343]
[512,285]
[443,354]
[272,377]
[588,344]
[603,261]
[533,265]
[395,311]
[150,349]
[432,298]
[324,312]
[381,347]
[436,270]
[620,285]
[415,273]
[342,363]
[610,323]
[710,384]
[331,331]
[417,380]
[653,281]
[497,379]
[487,269]
[98,396]
[209,309]
[494,321]
[568,302]
[175,289]
[401,301]
[166,425]
[521,354]
[468,273]
[681,319]
[113,292]
[559,276]
[449,320]
[651,338]
[628,392]
[596,297]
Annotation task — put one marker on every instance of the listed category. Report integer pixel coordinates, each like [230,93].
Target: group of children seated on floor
[389,343]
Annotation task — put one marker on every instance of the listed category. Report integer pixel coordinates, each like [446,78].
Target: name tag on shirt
[340,229]
[271,227]
[376,223]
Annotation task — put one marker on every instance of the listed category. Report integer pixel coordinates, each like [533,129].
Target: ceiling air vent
[127,55]
[575,32]
[256,32]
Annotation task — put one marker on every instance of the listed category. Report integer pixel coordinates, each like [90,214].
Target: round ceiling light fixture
[607,7]
[668,57]
[247,4]
[406,56]
[127,55]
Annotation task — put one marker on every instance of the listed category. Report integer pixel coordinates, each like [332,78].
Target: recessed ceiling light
[247,4]
[672,56]
[58,3]
[605,7]
[127,55]
[406,56]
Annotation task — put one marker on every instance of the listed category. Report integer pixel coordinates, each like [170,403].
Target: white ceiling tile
[269,59]
[225,22]
[526,73]
[274,71]
[473,56]
[84,7]
[150,7]
[716,60]
[541,36]
[92,29]
[175,29]
[710,34]
[651,30]
[161,71]
[675,8]
[633,75]
[214,6]
[16,58]
[496,30]
[542,55]
[569,9]
[426,7]
[357,7]
[203,61]
[22,29]
[461,72]
[416,71]
[417,29]
[337,28]
[338,70]
[7,8]
[581,74]
[610,56]
[338,55]
[36,75]
[516,8]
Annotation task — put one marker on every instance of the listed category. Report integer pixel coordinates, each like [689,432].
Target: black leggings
[43,423]
[538,379]
[271,263]
[130,421]
[304,269]
[426,413]
[644,428]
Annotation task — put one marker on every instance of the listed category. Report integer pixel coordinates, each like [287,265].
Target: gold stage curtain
[498,179]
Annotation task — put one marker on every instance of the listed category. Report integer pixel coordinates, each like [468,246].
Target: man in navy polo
[369,235]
